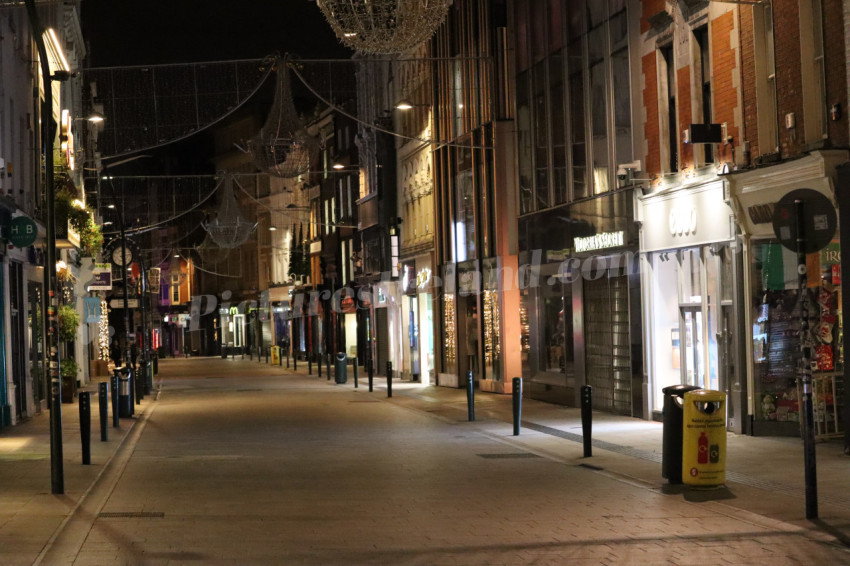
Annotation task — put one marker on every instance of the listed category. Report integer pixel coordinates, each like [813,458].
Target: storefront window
[776,324]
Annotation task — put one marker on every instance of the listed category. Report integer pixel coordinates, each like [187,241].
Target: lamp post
[51,298]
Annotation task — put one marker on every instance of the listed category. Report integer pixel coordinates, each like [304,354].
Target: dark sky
[121,32]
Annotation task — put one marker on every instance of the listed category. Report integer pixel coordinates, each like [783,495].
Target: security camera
[626,170]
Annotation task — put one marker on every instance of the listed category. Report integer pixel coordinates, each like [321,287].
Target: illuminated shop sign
[598,241]
[423,277]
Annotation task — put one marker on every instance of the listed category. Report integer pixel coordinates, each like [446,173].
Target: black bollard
[355,372]
[287,361]
[309,363]
[517,403]
[389,379]
[470,396]
[114,387]
[103,405]
[85,426]
[370,373]
[586,418]
[328,359]
[319,363]
[294,361]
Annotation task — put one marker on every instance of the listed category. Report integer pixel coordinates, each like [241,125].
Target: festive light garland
[384,26]
[103,332]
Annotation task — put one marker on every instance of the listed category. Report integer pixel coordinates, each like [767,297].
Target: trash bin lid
[679,390]
[706,401]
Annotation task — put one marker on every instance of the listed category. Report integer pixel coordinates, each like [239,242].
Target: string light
[450,328]
[103,332]
[492,345]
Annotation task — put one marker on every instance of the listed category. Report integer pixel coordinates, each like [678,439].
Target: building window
[819,83]
[667,75]
[702,73]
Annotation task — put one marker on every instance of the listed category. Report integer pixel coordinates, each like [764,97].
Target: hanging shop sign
[423,278]
[101,277]
[91,308]
[819,220]
[22,231]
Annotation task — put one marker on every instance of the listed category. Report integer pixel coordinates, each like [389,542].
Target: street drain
[132,515]
[508,456]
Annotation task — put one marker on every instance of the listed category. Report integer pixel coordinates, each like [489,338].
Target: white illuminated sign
[682,221]
[598,241]
[423,277]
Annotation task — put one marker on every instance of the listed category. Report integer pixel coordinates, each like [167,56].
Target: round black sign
[819,220]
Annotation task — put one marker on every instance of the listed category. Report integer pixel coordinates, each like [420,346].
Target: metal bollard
[470,396]
[319,363]
[328,359]
[355,372]
[586,418]
[103,405]
[370,373]
[287,360]
[294,361]
[389,379]
[517,403]
[85,426]
[309,363]
[114,392]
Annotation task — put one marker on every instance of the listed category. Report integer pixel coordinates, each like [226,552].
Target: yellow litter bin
[704,435]
[275,357]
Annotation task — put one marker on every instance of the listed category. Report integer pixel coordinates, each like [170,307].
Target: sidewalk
[764,475]
[29,513]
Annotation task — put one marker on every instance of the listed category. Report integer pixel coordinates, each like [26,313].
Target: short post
[287,360]
[389,379]
[586,419]
[114,391]
[309,363]
[328,360]
[517,403]
[355,372]
[470,396]
[103,405]
[319,363]
[294,361]
[370,373]
[85,426]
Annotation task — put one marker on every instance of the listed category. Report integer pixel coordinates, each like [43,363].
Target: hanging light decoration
[210,252]
[384,26]
[229,229]
[283,147]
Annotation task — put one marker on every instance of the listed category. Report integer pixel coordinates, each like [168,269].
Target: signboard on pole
[91,307]
[101,277]
[22,231]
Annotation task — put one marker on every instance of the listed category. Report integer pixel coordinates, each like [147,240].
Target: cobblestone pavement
[236,462]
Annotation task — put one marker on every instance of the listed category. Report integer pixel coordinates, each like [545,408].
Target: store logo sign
[682,221]
[423,277]
[599,241]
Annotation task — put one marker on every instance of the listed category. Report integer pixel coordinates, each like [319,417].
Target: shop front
[580,304]
[692,294]
[417,319]
[773,315]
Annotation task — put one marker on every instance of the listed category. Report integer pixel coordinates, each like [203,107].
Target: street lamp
[51,298]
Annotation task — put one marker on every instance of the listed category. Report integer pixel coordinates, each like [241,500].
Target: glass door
[693,350]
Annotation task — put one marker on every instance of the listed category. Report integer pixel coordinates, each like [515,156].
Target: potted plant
[69,321]
[68,370]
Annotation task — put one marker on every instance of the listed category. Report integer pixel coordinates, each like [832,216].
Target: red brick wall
[724,68]
[649,67]
[683,101]
[836,71]
[789,96]
[748,81]
[650,7]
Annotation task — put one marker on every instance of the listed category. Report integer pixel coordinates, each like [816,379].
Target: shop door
[693,350]
[16,324]
[607,343]
[413,336]
[382,340]
[36,352]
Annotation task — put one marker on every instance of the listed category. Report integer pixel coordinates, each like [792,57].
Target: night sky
[182,31]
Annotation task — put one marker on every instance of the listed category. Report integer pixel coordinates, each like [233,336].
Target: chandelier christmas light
[283,147]
[384,26]
[229,229]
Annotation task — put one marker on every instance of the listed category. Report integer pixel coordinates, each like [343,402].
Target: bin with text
[704,431]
